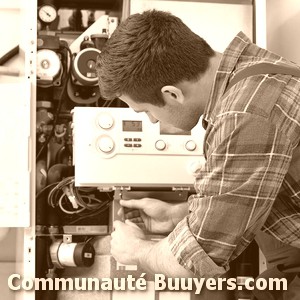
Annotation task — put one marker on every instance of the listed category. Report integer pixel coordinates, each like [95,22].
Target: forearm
[178,212]
[156,258]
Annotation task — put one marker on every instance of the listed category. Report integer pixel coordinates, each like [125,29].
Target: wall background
[283,28]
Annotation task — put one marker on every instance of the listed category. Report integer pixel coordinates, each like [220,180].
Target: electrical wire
[45,189]
[65,210]
[105,207]
[58,189]
[79,202]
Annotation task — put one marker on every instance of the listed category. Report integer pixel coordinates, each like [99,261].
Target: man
[250,182]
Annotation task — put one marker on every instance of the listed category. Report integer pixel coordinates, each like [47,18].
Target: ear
[171,93]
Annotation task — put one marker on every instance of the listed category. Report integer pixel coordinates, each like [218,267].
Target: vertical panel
[15,123]
[14,175]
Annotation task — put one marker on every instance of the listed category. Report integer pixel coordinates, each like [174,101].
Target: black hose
[10,54]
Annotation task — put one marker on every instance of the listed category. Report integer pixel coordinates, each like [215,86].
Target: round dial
[106,144]
[47,13]
[105,121]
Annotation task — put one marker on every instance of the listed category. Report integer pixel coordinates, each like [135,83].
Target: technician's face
[163,114]
[173,114]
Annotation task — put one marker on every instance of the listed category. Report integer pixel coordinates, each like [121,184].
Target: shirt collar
[227,65]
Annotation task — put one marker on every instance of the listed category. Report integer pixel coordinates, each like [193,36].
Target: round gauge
[47,13]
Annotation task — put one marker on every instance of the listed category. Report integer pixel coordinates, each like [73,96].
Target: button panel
[132,145]
[107,138]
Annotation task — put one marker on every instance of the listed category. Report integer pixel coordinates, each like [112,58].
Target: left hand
[126,241]
[154,215]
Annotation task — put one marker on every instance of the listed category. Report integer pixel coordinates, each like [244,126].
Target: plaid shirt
[251,178]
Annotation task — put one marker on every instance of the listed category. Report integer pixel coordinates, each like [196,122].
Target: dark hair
[148,51]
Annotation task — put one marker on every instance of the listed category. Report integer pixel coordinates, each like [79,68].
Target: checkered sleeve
[247,159]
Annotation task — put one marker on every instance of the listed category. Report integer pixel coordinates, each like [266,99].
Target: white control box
[118,147]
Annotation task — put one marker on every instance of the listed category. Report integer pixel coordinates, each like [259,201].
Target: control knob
[106,144]
[105,121]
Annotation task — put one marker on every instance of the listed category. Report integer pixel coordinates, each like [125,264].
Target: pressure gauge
[47,13]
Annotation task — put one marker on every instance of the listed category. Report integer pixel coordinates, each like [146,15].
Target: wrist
[145,247]
[156,257]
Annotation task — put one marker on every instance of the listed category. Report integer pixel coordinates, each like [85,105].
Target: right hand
[155,215]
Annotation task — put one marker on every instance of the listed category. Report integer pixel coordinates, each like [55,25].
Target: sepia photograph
[150,149]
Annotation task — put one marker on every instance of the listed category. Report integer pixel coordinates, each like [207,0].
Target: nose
[152,119]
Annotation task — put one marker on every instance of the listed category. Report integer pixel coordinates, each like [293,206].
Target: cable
[78,202]
[10,54]
[45,188]
[65,210]
[58,189]
[105,207]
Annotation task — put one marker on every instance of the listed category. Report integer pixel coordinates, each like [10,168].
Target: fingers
[119,224]
[128,214]
[129,210]
[137,204]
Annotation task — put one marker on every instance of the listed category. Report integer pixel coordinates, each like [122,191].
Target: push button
[190,145]
[160,145]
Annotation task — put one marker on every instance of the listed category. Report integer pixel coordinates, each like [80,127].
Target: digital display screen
[135,126]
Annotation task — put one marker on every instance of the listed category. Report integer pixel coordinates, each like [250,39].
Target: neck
[205,83]
[195,94]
